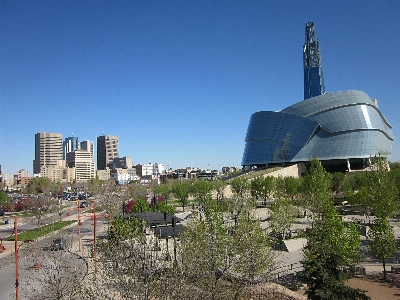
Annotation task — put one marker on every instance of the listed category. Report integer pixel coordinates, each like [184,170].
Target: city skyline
[177,81]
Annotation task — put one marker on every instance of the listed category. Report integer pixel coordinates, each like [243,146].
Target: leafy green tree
[381,241]
[39,185]
[337,181]
[181,190]
[209,253]
[252,255]
[219,187]
[292,186]
[331,246]
[316,187]
[283,214]
[381,190]
[202,190]
[240,186]
[262,187]
[4,199]
[138,191]
[163,190]
[124,228]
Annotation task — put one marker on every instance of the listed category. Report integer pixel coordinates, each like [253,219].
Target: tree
[291,186]
[138,191]
[59,278]
[219,187]
[39,206]
[208,253]
[262,187]
[4,199]
[316,187]
[337,180]
[381,190]
[282,216]
[39,185]
[201,190]
[381,241]
[181,190]
[331,246]
[163,190]
[94,186]
[240,186]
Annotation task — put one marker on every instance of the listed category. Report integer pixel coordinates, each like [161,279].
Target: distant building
[144,170]
[150,169]
[58,173]
[122,162]
[158,169]
[83,163]
[88,146]
[70,144]
[107,150]
[48,150]
[226,170]
[103,174]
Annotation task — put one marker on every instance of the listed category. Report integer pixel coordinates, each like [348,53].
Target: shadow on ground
[290,281]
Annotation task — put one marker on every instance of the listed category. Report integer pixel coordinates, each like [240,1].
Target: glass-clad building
[341,127]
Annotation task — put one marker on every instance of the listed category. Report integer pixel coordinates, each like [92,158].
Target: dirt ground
[376,287]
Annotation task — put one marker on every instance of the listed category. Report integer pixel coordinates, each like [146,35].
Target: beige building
[48,150]
[83,163]
[107,150]
[58,173]
[103,174]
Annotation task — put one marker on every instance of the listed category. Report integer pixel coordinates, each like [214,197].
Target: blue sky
[177,81]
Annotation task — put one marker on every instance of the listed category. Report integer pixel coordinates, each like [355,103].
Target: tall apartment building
[88,146]
[70,144]
[83,163]
[107,150]
[48,150]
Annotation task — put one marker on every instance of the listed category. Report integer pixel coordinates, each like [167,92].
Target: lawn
[41,231]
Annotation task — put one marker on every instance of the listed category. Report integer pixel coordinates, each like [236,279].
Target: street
[60,271]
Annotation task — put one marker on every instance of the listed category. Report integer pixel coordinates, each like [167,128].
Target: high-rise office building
[107,150]
[88,146]
[48,150]
[83,163]
[70,144]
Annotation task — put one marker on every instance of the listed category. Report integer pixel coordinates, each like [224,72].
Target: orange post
[16,257]
[79,227]
[94,236]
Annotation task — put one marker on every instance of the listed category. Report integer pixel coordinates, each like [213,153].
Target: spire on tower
[313,76]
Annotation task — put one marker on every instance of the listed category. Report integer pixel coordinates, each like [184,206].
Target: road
[60,271]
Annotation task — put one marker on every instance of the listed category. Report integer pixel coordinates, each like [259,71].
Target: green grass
[41,231]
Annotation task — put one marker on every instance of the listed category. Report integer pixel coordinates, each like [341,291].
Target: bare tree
[39,206]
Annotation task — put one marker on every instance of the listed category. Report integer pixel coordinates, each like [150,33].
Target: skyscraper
[48,150]
[88,146]
[70,144]
[83,163]
[107,150]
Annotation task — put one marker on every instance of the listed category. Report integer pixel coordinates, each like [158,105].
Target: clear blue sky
[177,81]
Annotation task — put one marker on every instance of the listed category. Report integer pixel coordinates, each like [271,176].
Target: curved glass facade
[341,125]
